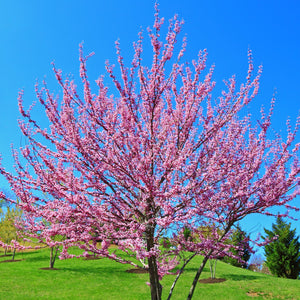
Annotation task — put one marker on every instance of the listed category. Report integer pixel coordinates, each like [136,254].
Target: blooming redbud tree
[159,154]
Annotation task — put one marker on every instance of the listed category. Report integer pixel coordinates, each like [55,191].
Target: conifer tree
[283,253]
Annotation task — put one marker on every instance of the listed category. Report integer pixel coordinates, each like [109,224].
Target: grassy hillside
[104,279]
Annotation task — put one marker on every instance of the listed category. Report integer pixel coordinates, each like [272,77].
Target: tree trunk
[192,289]
[14,253]
[155,286]
[53,256]
[215,266]
[212,266]
[178,275]
[205,259]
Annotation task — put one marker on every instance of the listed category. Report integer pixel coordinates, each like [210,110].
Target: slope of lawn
[104,279]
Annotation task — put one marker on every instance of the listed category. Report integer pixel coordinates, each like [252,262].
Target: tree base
[212,280]
[138,271]
[92,257]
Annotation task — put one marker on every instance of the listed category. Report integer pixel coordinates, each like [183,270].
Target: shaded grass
[104,279]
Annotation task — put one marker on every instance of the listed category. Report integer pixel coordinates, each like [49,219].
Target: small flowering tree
[36,230]
[158,155]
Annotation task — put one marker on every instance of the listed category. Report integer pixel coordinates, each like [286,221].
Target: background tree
[265,269]
[241,242]
[256,263]
[36,230]
[8,229]
[1,210]
[1,216]
[283,252]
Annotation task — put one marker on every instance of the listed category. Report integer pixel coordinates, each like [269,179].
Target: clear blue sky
[34,33]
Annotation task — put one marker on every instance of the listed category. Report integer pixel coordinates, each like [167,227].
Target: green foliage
[165,243]
[187,233]
[283,254]
[1,210]
[8,231]
[240,239]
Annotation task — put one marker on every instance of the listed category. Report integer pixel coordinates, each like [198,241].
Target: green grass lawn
[104,279]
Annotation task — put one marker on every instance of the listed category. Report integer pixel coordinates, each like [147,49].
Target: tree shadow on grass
[5,255]
[95,270]
[191,269]
[10,260]
[26,254]
[236,277]
[35,259]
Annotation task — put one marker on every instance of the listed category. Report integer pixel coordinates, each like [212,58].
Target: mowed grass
[104,279]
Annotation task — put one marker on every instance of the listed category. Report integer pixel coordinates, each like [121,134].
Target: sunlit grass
[104,279]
